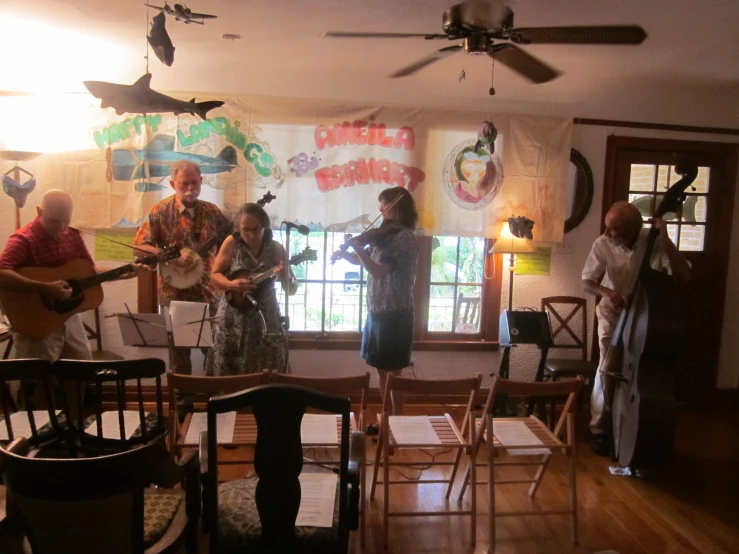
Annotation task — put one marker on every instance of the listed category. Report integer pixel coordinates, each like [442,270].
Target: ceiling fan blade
[522,62]
[485,14]
[349,34]
[607,34]
[428,60]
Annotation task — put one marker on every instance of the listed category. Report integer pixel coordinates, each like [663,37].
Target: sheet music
[186,324]
[111,427]
[21,424]
[225,424]
[514,433]
[152,327]
[413,430]
[319,429]
[317,499]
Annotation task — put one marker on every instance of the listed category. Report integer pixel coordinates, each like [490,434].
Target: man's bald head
[55,211]
[623,223]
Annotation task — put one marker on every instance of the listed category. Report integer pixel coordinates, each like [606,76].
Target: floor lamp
[506,243]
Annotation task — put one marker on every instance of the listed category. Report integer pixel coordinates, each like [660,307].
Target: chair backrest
[278,458]
[86,505]
[467,310]
[32,374]
[539,390]
[347,385]
[208,385]
[78,373]
[569,317]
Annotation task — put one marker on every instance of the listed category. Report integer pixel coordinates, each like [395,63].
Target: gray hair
[180,165]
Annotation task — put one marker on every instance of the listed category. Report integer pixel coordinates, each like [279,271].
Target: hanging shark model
[156,158]
[160,41]
[139,98]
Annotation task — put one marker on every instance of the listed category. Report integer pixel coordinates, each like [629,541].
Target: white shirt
[617,264]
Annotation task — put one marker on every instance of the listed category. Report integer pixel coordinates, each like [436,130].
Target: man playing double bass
[607,273]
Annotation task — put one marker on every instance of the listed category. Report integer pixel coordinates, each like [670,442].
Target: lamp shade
[506,243]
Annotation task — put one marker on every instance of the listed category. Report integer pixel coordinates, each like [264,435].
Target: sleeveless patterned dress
[240,346]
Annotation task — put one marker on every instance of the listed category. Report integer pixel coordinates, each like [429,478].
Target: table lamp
[507,243]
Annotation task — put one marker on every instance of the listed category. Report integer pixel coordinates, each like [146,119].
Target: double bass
[644,409]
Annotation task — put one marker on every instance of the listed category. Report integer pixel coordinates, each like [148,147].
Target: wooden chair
[540,438]
[119,429]
[40,427]
[342,386]
[104,504]
[569,316]
[467,311]
[449,435]
[259,515]
[96,335]
[205,387]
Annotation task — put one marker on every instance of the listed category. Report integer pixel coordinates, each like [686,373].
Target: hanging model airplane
[182,13]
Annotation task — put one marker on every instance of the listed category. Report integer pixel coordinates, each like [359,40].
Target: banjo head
[180,278]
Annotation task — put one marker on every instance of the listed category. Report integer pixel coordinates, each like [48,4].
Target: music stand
[142,329]
[189,324]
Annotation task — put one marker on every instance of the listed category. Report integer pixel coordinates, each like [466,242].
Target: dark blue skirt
[387,340]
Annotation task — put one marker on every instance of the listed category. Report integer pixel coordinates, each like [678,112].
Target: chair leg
[378,458]
[473,495]
[363,499]
[386,491]
[465,481]
[573,498]
[491,495]
[539,474]
[457,459]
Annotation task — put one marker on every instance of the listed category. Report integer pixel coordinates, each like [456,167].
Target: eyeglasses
[252,230]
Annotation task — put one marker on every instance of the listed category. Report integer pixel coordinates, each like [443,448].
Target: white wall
[564,280]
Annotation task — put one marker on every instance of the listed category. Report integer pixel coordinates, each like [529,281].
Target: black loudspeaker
[525,327]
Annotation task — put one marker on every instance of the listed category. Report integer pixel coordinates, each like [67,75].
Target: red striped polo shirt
[33,246]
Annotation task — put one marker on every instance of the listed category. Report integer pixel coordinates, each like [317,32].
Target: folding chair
[340,386]
[529,435]
[447,436]
[206,387]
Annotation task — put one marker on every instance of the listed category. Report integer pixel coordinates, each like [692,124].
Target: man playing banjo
[184,220]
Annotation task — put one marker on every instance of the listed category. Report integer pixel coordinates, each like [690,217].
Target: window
[687,229]
[452,296]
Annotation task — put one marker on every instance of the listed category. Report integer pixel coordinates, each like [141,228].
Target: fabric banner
[325,162]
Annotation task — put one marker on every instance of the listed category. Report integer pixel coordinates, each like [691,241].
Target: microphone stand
[285,319]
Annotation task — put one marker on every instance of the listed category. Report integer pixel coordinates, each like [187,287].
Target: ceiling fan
[481,22]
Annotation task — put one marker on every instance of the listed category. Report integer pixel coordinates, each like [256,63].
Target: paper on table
[111,427]
[22,426]
[317,499]
[514,433]
[151,326]
[184,332]
[225,424]
[319,429]
[413,430]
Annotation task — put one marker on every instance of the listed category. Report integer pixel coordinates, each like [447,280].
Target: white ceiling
[686,72]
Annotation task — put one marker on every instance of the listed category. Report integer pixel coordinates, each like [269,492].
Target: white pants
[68,341]
[600,421]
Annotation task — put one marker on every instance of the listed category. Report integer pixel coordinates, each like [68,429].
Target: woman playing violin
[241,345]
[390,256]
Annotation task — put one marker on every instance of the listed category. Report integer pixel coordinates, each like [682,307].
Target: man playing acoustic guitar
[184,220]
[48,242]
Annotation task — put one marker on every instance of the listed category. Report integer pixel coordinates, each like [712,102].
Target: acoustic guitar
[244,301]
[35,315]
[181,278]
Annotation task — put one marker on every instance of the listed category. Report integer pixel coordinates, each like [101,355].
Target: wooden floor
[693,506]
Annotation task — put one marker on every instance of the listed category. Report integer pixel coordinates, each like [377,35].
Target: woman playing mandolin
[241,344]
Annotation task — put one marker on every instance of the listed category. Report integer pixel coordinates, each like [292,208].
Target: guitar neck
[100,278]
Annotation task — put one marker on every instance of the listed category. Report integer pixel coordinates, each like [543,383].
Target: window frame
[484,341]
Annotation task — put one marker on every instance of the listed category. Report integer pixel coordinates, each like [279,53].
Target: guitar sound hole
[70,303]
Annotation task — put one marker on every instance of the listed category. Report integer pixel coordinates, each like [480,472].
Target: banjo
[185,278]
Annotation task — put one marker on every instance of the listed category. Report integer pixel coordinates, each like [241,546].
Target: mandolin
[35,315]
[181,278]
[244,301]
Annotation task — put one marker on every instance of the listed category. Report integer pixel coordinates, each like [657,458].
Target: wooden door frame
[730,153]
